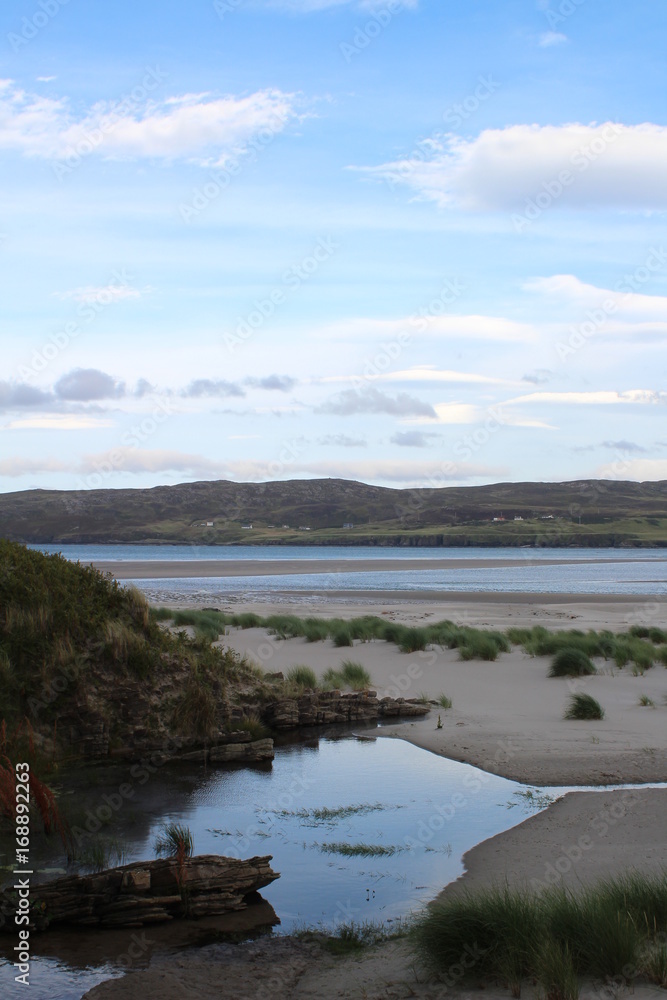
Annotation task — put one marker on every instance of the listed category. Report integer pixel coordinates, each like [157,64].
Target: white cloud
[429,373]
[196,127]
[604,398]
[13,467]
[640,469]
[568,288]
[387,470]
[550,38]
[58,422]
[502,169]
[470,327]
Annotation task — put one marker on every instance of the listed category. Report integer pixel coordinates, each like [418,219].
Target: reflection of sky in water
[426,809]
[312,552]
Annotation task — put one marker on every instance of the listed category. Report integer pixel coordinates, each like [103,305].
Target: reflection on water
[358,829]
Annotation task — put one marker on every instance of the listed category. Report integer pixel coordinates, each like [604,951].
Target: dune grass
[355,675]
[555,938]
[641,645]
[646,702]
[444,701]
[571,662]
[584,706]
[302,677]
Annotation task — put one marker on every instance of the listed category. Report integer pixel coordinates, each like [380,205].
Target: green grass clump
[355,675]
[253,725]
[584,706]
[646,702]
[361,850]
[174,840]
[555,938]
[302,677]
[444,701]
[412,640]
[571,662]
[333,680]
[342,636]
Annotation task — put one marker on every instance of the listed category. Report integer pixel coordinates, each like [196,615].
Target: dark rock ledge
[145,892]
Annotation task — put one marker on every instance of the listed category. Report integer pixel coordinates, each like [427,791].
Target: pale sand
[507,715]
[160,569]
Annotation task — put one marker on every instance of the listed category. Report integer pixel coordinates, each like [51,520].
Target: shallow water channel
[416,813]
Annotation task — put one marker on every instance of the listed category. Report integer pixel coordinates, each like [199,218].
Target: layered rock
[146,892]
[315,708]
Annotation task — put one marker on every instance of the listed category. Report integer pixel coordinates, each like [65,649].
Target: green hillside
[338,512]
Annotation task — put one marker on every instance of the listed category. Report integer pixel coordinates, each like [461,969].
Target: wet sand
[161,569]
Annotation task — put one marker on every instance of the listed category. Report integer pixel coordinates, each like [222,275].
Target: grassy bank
[80,654]
[616,928]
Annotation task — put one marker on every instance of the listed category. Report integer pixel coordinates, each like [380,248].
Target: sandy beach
[507,717]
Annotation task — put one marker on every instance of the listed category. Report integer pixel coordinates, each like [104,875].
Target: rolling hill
[341,512]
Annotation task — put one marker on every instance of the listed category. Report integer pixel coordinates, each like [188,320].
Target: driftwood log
[145,892]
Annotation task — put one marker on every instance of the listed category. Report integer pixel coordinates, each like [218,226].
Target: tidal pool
[360,829]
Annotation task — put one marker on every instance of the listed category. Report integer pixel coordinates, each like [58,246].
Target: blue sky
[410,243]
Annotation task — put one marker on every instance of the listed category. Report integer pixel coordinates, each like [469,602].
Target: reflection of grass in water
[360,850]
[100,854]
[532,798]
[341,812]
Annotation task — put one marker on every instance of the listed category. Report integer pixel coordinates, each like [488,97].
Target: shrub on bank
[571,662]
[584,706]
[554,939]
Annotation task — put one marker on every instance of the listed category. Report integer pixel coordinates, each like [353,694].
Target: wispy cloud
[613,165]
[551,38]
[202,128]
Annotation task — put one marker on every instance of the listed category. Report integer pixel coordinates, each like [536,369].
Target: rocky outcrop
[145,892]
[316,708]
[242,753]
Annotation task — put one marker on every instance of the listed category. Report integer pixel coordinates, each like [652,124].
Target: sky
[406,242]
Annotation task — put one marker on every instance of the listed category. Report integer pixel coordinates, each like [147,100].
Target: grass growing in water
[174,840]
[361,850]
[555,938]
[584,706]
